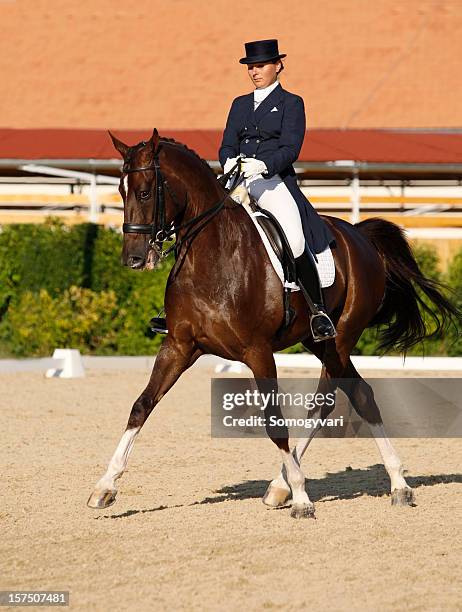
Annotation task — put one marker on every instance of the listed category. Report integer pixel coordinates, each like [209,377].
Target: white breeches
[272,195]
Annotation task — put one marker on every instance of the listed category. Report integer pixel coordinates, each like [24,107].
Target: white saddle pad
[325,264]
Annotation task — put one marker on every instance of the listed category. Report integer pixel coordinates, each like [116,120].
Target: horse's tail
[407,324]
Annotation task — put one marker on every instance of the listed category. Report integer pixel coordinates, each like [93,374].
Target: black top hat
[261,51]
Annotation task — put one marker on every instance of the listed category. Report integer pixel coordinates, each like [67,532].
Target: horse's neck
[225,231]
[203,194]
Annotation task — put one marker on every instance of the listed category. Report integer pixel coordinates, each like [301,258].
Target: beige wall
[173,63]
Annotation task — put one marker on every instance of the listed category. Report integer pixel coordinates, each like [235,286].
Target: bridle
[158,229]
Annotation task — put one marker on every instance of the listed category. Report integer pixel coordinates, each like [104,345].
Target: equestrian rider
[268,126]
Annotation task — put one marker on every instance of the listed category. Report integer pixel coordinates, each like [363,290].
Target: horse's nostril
[135,261]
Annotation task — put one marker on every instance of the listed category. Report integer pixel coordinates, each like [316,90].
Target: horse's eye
[144,195]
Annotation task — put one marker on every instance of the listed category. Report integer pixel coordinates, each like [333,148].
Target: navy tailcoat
[274,133]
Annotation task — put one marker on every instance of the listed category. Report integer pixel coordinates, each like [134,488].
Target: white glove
[241,195]
[229,163]
[251,167]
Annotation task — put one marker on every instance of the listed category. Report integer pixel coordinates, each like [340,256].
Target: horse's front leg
[261,362]
[173,359]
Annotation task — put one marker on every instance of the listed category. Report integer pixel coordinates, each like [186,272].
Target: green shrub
[108,272]
[51,256]
[454,276]
[93,322]
[78,318]
[427,259]
[65,286]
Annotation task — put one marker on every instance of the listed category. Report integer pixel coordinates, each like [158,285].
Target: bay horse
[224,297]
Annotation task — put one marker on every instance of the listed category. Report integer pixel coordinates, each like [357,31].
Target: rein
[158,230]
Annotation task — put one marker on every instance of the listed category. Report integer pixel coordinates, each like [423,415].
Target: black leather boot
[322,327]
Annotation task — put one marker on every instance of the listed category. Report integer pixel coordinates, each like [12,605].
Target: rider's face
[263,74]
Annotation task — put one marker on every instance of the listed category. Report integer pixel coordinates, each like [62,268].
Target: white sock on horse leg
[390,457]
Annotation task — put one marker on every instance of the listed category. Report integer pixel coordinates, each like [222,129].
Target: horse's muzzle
[143,262]
[135,262]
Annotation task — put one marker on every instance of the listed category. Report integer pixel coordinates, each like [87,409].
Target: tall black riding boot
[322,327]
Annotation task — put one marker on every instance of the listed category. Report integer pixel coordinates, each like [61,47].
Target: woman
[268,127]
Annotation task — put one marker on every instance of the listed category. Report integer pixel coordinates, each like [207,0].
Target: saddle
[280,245]
[277,239]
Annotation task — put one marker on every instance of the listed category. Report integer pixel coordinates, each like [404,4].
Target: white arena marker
[69,364]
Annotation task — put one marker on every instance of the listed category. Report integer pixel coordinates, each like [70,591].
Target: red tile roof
[320,145]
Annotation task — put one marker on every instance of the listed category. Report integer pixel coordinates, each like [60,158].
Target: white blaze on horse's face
[125,182]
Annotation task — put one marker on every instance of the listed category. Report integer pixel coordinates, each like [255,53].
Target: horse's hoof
[275,497]
[302,511]
[403,497]
[102,499]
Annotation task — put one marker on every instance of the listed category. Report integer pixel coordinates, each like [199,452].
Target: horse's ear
[119,145]
[155,138]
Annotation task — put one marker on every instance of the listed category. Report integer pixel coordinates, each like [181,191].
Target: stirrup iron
[327,329]
[158,324]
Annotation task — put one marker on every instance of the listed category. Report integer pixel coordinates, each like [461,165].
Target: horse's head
[142,190]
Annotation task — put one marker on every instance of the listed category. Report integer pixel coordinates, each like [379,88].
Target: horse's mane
[196,155]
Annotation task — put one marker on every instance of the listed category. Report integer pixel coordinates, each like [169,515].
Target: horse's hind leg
[278,491]
[262,364]
[361,395]
[173,359]
[362,399]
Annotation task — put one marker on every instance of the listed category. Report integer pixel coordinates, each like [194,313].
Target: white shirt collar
[260,94]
